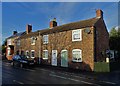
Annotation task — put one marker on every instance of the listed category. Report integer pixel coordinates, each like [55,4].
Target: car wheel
[21,65]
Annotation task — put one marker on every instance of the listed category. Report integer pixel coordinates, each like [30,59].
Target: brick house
[75,45]
[28,44]
[11,44]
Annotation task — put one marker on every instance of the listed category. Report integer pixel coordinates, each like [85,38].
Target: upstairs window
[45,39]
[77,35]
[32,54]
[9,42]
[77,55]
[18,42]
[45,54]
[33,39]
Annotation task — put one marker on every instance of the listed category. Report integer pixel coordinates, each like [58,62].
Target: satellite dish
[87,30]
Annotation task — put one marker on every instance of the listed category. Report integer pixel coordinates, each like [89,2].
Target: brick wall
[102,40]
[63,40]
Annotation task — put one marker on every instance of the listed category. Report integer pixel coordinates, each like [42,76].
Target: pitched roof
[71,26]
[65,27]
[17,34]
[36,33]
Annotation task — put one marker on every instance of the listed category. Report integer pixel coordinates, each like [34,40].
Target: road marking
[6,65]
[27,69]
[74,79]
[108,82]
[18,82]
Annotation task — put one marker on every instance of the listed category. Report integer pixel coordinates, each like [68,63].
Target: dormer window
[33,39]
[45,39]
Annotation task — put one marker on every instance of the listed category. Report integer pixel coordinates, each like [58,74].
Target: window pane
[45,39]
[45,54]
[76,35]
[77,55]
[32,54]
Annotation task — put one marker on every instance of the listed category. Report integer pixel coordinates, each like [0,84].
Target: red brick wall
[102,40]
[63,40]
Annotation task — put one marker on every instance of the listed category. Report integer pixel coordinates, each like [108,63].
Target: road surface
[41,75]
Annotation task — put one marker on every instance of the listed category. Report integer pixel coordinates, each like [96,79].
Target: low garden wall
[106,67]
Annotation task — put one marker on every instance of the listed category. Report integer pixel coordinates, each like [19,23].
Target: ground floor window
[77,55]
[27,54]
[45,54]
[32,53]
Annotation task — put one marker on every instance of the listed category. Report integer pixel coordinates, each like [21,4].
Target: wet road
[40,75]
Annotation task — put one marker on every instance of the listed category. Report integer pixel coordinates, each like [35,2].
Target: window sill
[45,58]
[45,43]
[77,40]
[32,57]
[76,61]
[32,44]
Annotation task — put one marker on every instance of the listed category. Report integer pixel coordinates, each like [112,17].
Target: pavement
[56,75]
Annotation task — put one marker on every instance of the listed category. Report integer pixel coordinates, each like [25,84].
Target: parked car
[22,61]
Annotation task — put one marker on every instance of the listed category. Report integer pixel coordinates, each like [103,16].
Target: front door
[54,57]
[64,58]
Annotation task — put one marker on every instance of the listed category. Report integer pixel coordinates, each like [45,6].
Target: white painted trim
[47,39]
[80,33]
[32,40]
[18,42]
[31,53]
[53,59]
[80,54]
[47,56]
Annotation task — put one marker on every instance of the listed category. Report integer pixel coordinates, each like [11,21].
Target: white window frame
[77,50]
[9,42]
[45,53]
[27,51]
[18,42]
[78,32]
[8,51]
[45,40]
[33,40]
[31,53]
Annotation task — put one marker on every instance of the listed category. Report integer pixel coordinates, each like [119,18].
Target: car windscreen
[23,57]
[16,57]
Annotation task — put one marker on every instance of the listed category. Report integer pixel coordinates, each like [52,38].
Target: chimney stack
[14,32]
[28,28]
[99,13]
[53,23]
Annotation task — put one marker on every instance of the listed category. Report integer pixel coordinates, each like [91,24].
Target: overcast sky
[15,15]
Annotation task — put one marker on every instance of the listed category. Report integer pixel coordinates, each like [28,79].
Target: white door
[54,57]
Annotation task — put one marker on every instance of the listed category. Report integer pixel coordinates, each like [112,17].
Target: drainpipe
[39,47]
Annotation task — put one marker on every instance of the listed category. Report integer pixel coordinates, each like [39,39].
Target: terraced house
[75,45]
[11,44]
